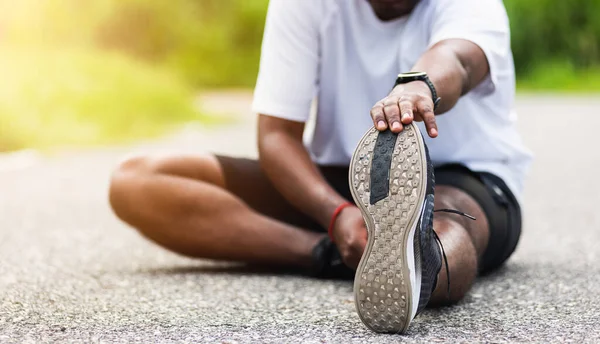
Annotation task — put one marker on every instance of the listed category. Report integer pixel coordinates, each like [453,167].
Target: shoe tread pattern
[382,282]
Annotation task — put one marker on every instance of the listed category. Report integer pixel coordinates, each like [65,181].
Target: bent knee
[205,168]
[127,182]
[127,172]
[122,182]
[136,165]
[133,175]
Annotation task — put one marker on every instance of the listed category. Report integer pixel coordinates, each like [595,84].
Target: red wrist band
[337,212]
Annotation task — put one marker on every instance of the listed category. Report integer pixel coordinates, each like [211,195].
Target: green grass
[560,77]
[75,98]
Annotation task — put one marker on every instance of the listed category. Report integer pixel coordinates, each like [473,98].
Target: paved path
[69,271]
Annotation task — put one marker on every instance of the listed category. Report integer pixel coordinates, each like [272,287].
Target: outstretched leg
[182,204]
[464,243]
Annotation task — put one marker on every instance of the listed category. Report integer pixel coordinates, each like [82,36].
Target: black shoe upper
[427,251]
[328,263]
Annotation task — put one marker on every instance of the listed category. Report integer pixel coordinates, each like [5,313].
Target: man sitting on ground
[278,210]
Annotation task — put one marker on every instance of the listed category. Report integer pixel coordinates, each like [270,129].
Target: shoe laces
[437,238]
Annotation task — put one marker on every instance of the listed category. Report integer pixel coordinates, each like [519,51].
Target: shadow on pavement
[234,269]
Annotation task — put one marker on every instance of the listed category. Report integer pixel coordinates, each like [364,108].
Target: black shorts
[246,179]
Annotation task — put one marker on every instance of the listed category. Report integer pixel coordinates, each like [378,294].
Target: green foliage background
[549,30]
[216,43]
[210,42]
[556,44]
[78,72]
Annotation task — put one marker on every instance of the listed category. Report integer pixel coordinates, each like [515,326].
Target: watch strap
[419,76]
[434,96]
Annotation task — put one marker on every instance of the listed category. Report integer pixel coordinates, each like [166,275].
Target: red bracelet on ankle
[337,212]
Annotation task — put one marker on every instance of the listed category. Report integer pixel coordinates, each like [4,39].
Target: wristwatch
[404,78]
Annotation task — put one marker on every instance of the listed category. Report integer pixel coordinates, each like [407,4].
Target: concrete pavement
[70,271]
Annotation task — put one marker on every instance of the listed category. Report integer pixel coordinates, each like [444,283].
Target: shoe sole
[387,281]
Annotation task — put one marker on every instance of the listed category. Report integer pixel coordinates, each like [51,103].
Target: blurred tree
[138,29]
[217,42]
[210,42]
[554,31]
[213,43]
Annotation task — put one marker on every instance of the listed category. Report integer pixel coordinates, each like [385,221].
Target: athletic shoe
[392,182]
[328,263]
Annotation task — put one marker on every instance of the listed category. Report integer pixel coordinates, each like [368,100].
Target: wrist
[334,218]
[327,200]
[416,86]
[418,80]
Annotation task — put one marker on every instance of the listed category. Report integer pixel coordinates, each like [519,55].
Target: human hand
[405,103]
[350,234]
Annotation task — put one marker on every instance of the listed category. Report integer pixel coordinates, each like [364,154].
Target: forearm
[454,67]
[290,168]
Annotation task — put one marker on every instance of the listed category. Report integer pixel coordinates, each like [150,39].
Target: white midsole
[413,268]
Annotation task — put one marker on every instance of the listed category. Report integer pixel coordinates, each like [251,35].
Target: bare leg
[464,243]
[181,204]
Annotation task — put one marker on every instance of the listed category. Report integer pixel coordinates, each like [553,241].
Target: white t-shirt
[339,52]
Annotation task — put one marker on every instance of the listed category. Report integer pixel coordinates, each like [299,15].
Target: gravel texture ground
[70,271]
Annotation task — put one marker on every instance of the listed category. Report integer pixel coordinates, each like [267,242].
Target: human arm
[285,88]
[289,166]
[291,170]
[468,37]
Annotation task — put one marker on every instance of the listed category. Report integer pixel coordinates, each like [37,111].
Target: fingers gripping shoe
[392,182]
